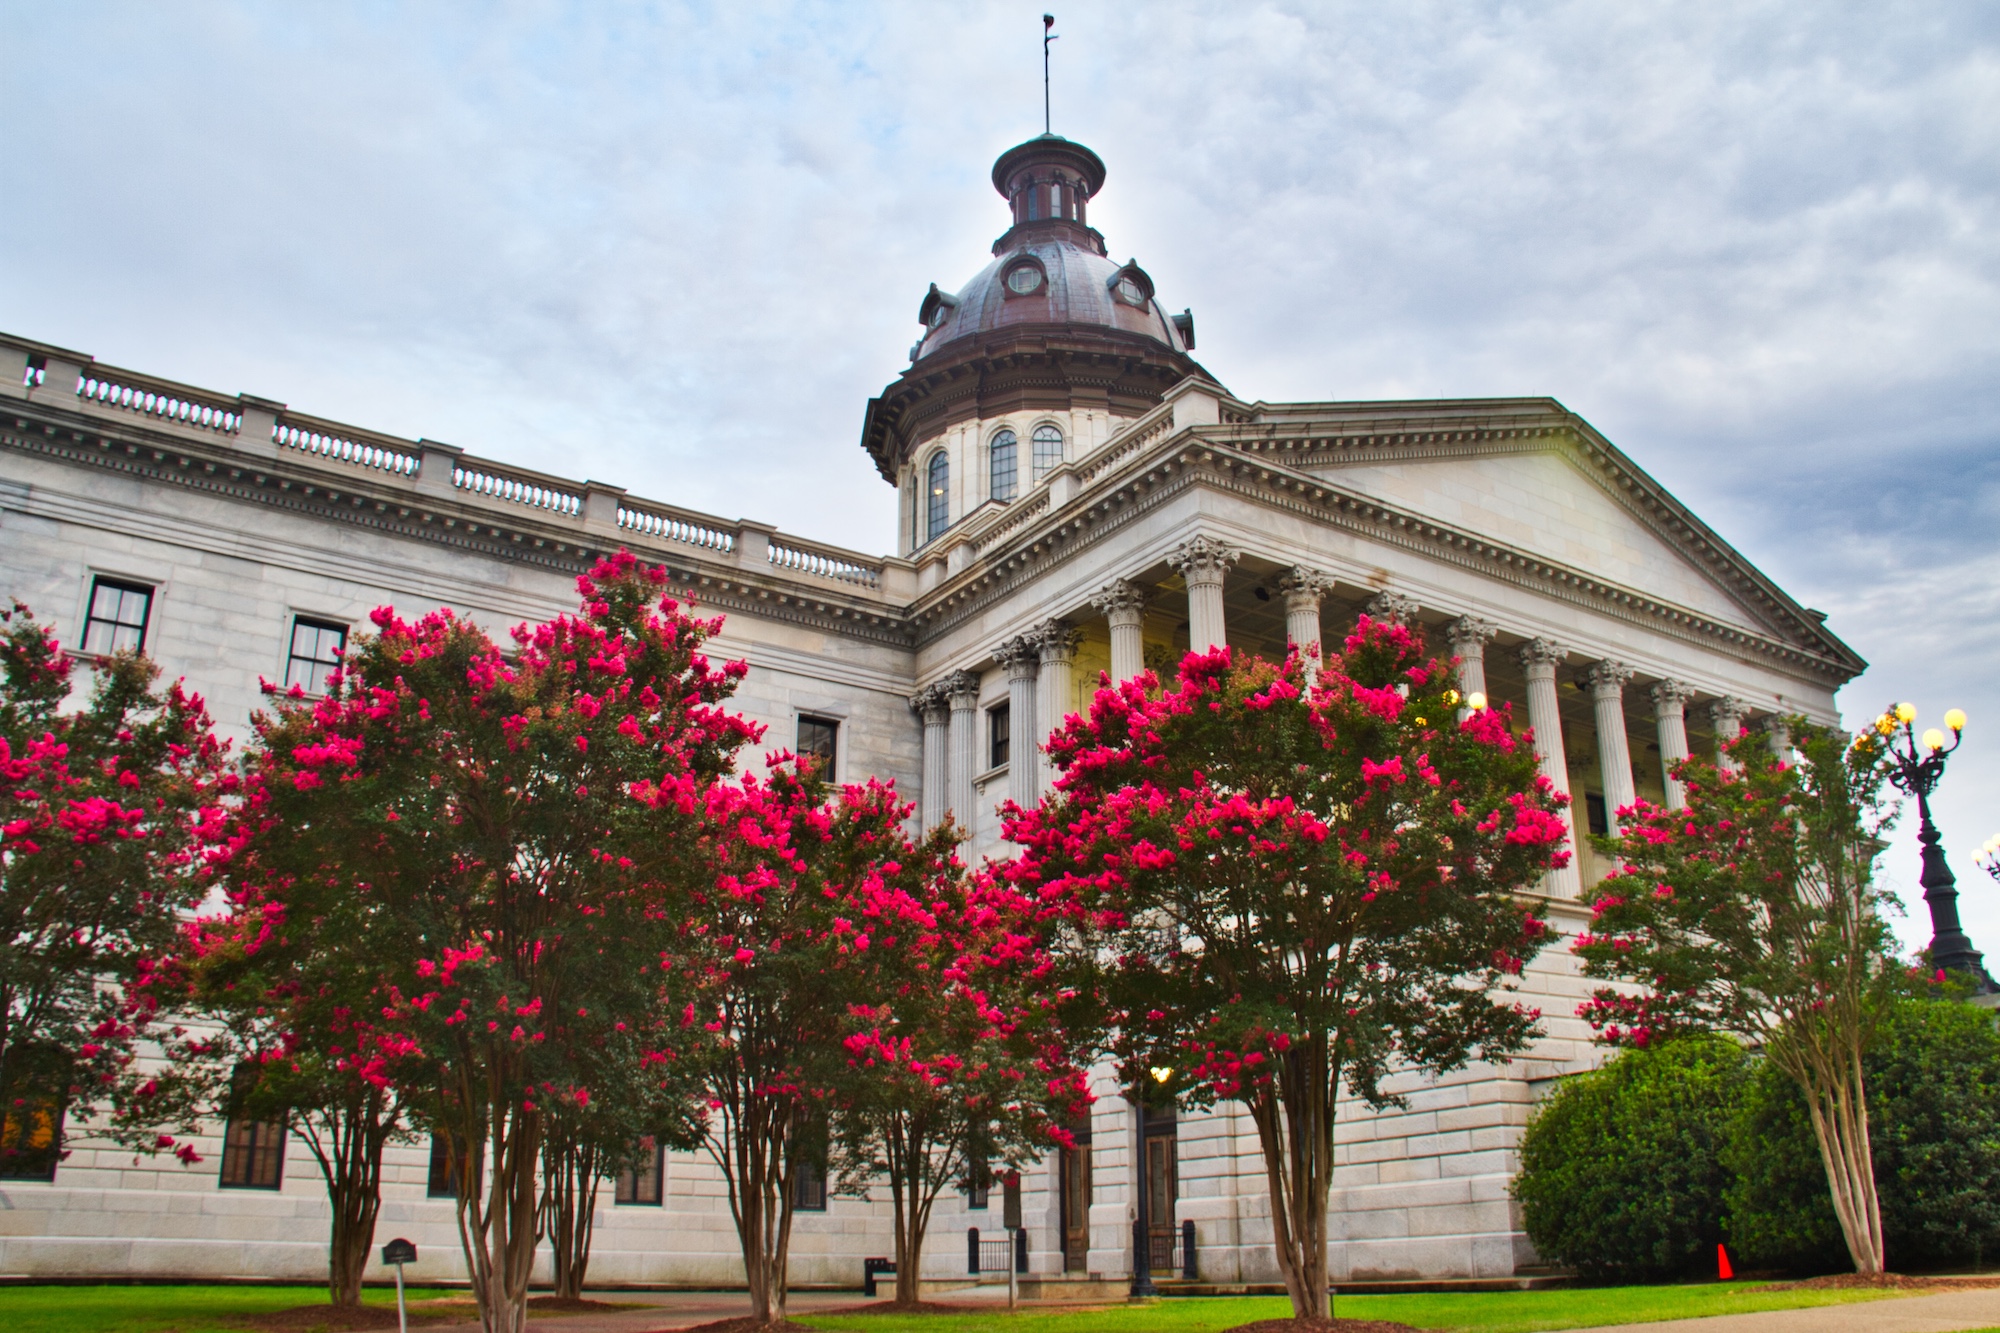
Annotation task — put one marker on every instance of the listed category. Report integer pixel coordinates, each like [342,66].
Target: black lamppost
[1915,766]
[1142,1222]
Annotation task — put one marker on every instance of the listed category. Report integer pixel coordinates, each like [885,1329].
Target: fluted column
[1777,735]
[1302,589]
[962,690]
[1670,701]
[1055,692]
[935,710]
[1469,636]
[1671,719]
[1123,605]
[1614,751]
[1023,659]
[1392,608]
[1725,717]
[1203,562]
[1539,659]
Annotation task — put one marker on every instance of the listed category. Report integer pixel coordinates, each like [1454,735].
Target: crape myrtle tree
[963,1054]
[1298,886]
[471,812]
[1754,911]
[99,815]
[801,883]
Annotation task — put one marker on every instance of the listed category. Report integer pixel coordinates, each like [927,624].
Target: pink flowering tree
[468,817]
[963,1054]
[802,883]
[1299,886]
[1754,912]
[99,809]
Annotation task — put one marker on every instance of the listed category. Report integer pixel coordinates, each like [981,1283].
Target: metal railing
[1172,1251]
[990,1255]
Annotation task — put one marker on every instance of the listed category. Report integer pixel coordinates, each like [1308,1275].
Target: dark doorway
[1075,1168]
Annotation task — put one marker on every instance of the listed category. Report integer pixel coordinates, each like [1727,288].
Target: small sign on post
[1010,1211]
[400,1252]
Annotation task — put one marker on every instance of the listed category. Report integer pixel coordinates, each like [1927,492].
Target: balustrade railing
[515,488]
[133,393]
[687,529]
[320,440]
[787,554]
[991,1254]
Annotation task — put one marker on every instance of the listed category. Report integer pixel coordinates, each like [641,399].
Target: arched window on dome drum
[1048,449]
[1002,472]
[937,501]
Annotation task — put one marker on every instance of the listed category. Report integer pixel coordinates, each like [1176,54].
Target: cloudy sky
[677,247]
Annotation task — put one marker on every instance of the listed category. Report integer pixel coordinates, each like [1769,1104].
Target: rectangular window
[117,616]
[253,1151]
[315,650]
[641,1182]
[981,1194]
[30,1138]
[809,1187]
[1593,813]
[999,726]
[444,1170]
[818,737]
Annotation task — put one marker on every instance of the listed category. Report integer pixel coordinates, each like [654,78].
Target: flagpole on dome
[1048,22]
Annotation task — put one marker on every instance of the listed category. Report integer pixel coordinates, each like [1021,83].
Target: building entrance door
[1076,1204]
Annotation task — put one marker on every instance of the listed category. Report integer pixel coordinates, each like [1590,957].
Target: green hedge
[1636,1170]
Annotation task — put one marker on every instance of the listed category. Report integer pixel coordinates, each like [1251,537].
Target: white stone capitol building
[1077,496]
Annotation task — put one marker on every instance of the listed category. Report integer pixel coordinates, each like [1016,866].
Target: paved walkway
[1945,1312]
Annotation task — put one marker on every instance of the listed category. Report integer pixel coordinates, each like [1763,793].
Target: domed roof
[1065,284]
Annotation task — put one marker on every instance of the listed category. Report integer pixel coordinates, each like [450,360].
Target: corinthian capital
[1118,599]
[1203,559]
[1670,696]
[1607,678]
[1725,716]
[1303,588]
[1021,655]
[1057,640]
[1391,607]
[1545,653]
[1470,632]
[962,688]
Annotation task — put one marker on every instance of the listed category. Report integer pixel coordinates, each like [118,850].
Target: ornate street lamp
[1915,765]
[1142,1226]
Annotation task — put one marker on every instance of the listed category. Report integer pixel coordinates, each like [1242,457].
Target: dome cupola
[1052,324]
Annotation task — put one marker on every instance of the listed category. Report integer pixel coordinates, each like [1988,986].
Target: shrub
[1622,1170]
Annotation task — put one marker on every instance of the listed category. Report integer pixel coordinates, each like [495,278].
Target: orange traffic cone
[1722,1269]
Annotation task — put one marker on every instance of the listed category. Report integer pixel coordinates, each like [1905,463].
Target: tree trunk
[570,1176]
[1838,1104]
[500,1225]
[755,1152]
[347,1142]
[1294,1118]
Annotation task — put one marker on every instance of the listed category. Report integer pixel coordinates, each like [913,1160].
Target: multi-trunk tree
[470,813]
[963,1056]
[1754,912]
[1299,886]
[99,812]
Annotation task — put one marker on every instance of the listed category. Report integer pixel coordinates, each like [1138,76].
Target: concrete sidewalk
[1944,1312]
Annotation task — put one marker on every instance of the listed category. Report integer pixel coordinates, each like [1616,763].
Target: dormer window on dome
[1025,277]
[936,308]
[1131,285]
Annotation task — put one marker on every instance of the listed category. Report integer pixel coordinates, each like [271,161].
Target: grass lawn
[192,1309]
[1477,1311]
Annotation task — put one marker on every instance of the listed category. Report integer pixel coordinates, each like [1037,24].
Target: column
[1725,716]
[962,689]
[1123,604]
[1670,701]
[1539,659]
[1391,608]
[1022,657]
[1778,735]
[1469,636]
[1303,588]
[1055,693]
[1203,562]
[1614,752]
[933,707]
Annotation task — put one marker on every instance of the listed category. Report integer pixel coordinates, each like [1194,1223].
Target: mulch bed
[1322,1326]
[1882,1282]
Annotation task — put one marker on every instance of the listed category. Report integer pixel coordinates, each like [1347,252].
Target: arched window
[1048,449]
[937,503]
[1002,471]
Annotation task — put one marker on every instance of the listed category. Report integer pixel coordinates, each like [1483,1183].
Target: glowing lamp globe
[1475,701]
[1933,739]
[1906,713]
[1955,719]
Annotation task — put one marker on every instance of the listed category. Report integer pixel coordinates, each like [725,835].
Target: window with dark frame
[980,1193]
[253,1151]
[315,650]
[30,1138]
[1048,449]
[642,1184]
[444,1171]
[999,726]
[937,501]
[1002,471]
[818,739]
[117,616]
[1593,814]
[809,1187]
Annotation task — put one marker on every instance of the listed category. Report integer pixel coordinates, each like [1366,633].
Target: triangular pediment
[1542,503]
